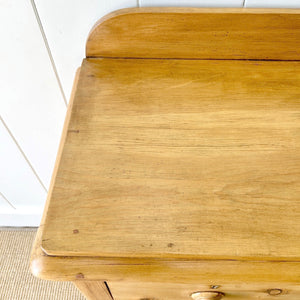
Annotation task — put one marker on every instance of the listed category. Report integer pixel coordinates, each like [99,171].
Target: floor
[16,281]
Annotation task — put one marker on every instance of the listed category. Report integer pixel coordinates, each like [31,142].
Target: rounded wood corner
[37,267]
[38,259]
[101,23]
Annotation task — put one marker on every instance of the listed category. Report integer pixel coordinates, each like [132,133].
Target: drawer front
[172,291]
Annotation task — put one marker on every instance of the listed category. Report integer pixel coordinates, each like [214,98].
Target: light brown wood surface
[138,291]
[186,159]
[212,272]
[203,33]
[142,278]
[94,290]
[244,274]
[176,176]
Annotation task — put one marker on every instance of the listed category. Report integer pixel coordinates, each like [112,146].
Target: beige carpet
[16,281]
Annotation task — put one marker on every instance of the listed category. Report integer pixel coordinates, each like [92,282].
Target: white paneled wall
[32,108]
[193,3]
[5,208]
[18,185]
[31,103]
[42,45]
[273,3]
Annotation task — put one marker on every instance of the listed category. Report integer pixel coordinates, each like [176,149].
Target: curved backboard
[197,33]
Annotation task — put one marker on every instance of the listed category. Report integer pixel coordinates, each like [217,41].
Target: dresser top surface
[178,159]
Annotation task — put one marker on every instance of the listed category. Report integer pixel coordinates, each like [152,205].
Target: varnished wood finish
[171,291]
[213,272]
[246,274]
[94,290]
[207,295]
[197,33]
[129,278]
[173,158]
[176,176]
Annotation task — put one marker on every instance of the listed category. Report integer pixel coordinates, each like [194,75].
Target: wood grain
[175,291]
[178,176]
[180,159]
[93,290]
[243,275]
[141,279]
[197,33]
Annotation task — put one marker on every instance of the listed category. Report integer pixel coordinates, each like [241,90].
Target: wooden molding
[197,33]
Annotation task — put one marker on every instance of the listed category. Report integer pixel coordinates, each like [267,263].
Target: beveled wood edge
[72,268]
[155,270]
[68,268]
[191,10]
[37,252]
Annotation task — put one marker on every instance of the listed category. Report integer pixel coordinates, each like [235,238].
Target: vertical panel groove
[8,202]
[23,154]
[48,50]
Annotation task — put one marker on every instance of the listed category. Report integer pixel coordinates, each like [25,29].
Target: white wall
[42,44]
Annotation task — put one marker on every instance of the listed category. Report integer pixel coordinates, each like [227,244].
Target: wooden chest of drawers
[178,174]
